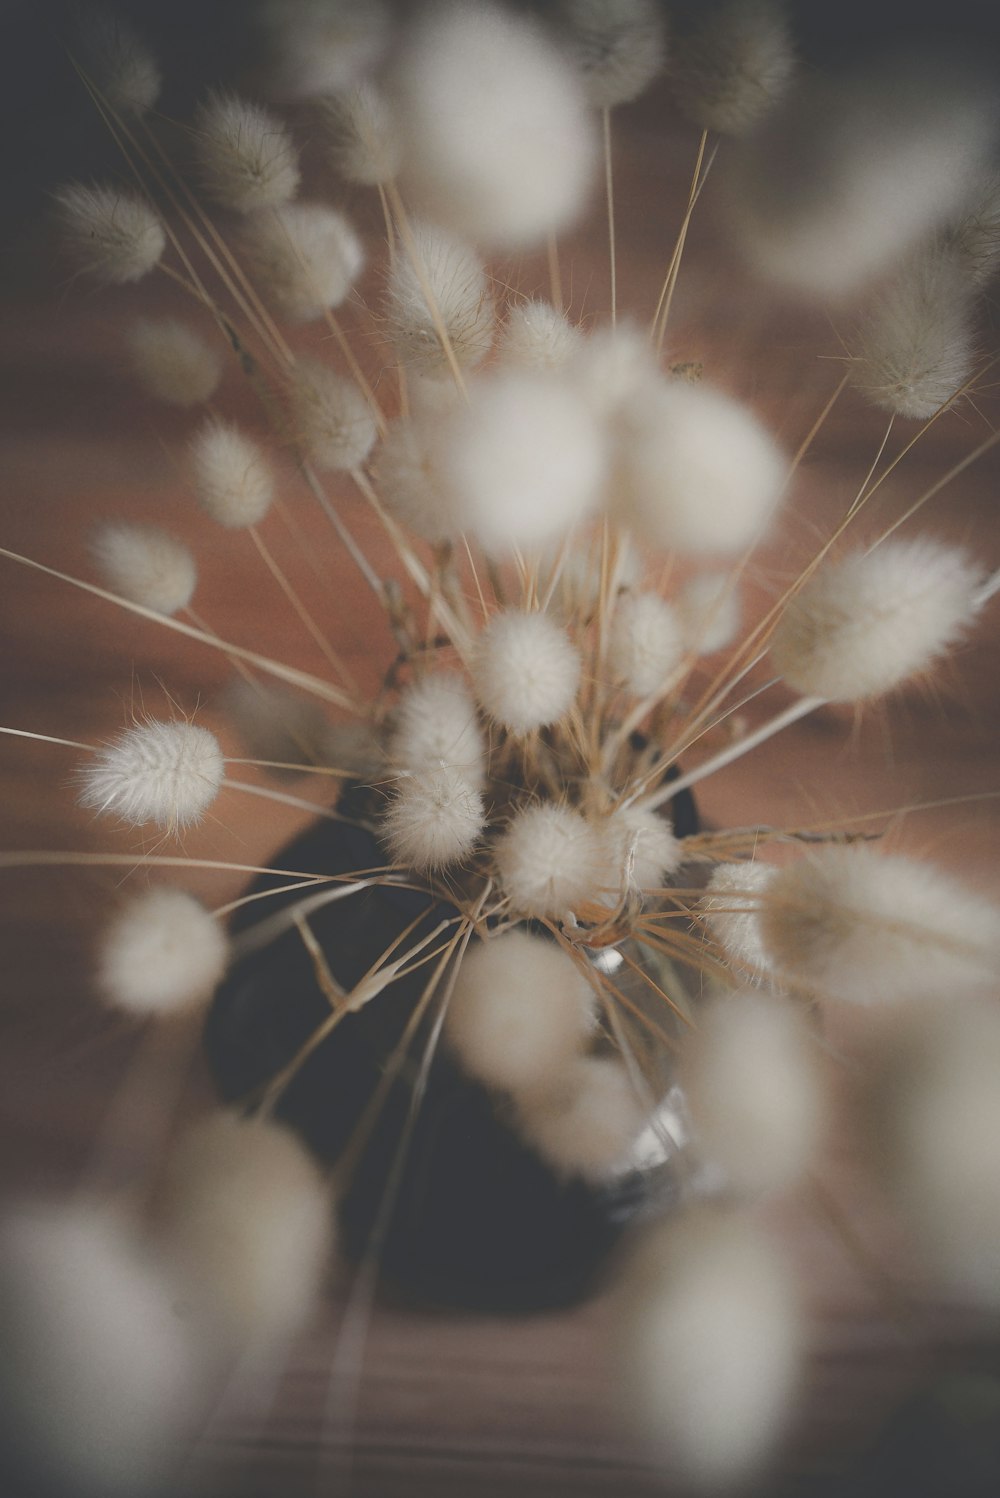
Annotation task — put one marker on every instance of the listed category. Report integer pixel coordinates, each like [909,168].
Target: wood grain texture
[451,1406]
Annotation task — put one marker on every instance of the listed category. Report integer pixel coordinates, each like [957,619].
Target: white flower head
[438,296]
[618,46]
[865,624]
[646,644]
[116,237]
[331,417]
[233,478]
[163,953]
[145,565]
[165,773]
[498,142]
[305,256]
[551,859]
[519,1008]
[435,818]
[362,141]
[245,154]
[173,362]
[526,670]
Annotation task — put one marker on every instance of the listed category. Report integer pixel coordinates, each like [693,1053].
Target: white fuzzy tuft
[856,170]
[305,257]
[537,336]
[499,145]
[869,622]
[522,462]
[119,63]
[116,237]
[519,1009]
[870,928]
[317,47]
[645,644]
[526,670]
[913,348]
[173,362]
[436,723]
[936,1111]
[245,155]
[331,417]
[734,66]
[444,284]
[617,45]
[643,847]
[362,142]
[583,1117]
[249,1220]
[162,953]
[613,368]
[753,1086]
[99,1375]
[708,607]
[435,818]
[699,472]
[551,859]
[232,476]
[145,565]
[711,1347]
[167,773]
[731,908]
[410,483]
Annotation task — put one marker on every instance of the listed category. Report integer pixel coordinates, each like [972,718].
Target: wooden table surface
[453,1404]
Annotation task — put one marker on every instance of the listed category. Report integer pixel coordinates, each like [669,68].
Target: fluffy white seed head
[584,1117]
[643,847]
[233,479]
[173,363]
[752,1083]
[162,954]
[245,155]
[99,1375]
[537,336]
[613,368]
[869,622]
[145,565]
[519,1009]
[249,1220]
[435,818]
[853,172]
[119,62]
[699,472]
[526,670]
[734,66]
[731,910]
[974,237]
[435,722]
[708,607]
[869,928]
[362,141]
[440,291]
[617,45]
[913,348]
[711,1348]
[550,859]
[498,142]
[935,1109]
[645,643]
[522,462]
[410,483]
[305,258]
[331,417]
[116,237]
[318,47]
[166,773]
